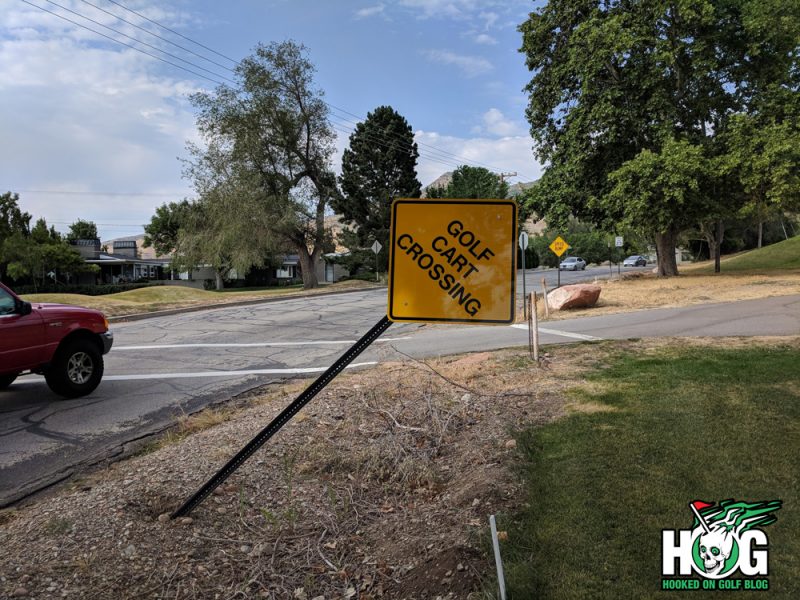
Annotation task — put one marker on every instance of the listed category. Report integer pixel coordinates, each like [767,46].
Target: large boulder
[579,295]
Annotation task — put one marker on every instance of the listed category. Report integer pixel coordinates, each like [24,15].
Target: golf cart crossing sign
[452,260]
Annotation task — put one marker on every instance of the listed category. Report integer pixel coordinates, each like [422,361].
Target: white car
[573,263]
[635,261]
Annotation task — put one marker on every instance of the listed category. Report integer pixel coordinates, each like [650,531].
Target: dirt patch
[381,488]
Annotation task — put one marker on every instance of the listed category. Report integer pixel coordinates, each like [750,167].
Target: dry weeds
[380,488]
[634,292]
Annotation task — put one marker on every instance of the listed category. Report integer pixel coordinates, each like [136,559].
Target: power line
[74,193]
[439,151]
[165,28]
[441,156]
[157,49]
[155,35]
[55,14]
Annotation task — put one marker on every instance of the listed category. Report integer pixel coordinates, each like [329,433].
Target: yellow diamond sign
[559,246]
[452,260]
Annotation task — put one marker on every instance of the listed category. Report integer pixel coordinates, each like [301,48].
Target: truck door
[21,336]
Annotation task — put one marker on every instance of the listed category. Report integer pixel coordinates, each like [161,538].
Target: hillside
[782,256]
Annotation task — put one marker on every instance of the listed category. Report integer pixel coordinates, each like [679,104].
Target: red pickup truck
[64,343]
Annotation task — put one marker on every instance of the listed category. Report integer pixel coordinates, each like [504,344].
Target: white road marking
[569,334]
[138,377]
[252,345]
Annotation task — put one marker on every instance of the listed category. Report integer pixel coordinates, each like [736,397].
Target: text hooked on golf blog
[452,260]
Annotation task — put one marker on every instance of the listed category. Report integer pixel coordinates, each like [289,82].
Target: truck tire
[76,369]
[7,380]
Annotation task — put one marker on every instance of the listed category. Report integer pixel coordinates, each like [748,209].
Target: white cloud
[507,154]
[494,122]
[471,66]
[370,11]
[83,115]
[485,39]
[489,18]
[441,8]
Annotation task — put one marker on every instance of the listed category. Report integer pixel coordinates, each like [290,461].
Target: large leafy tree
[379,165]
[268,137]
[471,182]
[82,230]
[613,80]
[14,224]
[162,231]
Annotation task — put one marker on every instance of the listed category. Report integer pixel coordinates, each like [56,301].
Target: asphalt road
[166,366]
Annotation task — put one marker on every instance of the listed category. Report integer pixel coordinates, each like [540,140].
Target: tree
[162,231]
[269,138]
[82,230]
[471,182]
[378,166]
[13,224]
[612,80]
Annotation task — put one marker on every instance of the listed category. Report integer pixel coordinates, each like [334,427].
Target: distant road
[163,367]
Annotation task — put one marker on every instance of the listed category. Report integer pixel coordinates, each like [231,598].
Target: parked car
[573,263]
[635,261]
[64,343]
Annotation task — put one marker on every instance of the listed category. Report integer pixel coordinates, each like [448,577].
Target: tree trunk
[718,246]
[760,232]
[665,248]
[307,261]
[219,283]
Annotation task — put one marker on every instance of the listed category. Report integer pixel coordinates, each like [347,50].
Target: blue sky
[93,129]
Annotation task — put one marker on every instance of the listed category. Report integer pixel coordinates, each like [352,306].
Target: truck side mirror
[24,308]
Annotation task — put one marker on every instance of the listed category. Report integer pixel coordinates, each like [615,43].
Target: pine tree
[379,165]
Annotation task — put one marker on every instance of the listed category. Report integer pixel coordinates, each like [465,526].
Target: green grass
[680,424]
[780,256]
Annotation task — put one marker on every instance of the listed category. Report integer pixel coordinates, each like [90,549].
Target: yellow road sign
[559,246]
[452,260]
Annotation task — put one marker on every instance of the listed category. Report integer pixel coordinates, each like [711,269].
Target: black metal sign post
[283,418]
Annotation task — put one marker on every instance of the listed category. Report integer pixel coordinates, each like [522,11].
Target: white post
[544,291]
[534,325]
[497,560]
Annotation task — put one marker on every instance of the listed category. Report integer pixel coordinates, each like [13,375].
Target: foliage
[82,230]
[263,178]
[162,231]
[37,254]
[471,182]
[378,166]
[612,80]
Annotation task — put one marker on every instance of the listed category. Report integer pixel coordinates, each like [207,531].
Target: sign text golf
[452,260]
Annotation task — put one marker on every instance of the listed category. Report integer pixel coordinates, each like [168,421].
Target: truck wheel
[7,380]
[76,369]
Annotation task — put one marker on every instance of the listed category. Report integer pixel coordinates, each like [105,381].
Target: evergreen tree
[379,165]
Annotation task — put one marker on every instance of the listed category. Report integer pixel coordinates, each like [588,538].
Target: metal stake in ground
[283,418]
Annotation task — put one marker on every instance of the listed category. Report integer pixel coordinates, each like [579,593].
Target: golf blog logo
[725,540]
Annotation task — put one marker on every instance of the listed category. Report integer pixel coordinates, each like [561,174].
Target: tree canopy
[264,172]
[82,230]
[653,82]
[471,182]
[379,165]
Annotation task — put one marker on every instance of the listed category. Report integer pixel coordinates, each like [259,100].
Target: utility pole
[504,175]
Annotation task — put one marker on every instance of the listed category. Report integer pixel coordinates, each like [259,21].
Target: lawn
[150,299]
[648,433]
[780,256]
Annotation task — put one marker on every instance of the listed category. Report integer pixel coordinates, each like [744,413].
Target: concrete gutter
[199,307]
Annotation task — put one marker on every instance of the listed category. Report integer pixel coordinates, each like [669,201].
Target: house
[122,264]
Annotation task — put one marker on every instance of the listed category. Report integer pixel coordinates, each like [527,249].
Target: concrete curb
[199,307]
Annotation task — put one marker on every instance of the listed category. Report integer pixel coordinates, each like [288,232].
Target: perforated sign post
[559,246]
[452,260]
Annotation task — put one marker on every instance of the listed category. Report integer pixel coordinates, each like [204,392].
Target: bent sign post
[452,260]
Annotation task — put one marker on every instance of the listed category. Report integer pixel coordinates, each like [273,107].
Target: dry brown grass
[648,291]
